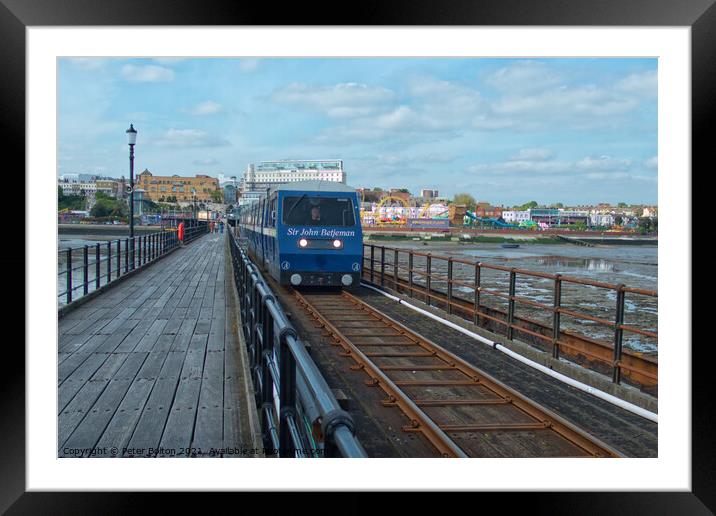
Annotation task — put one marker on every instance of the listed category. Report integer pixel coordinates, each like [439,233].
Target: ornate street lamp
[131,140]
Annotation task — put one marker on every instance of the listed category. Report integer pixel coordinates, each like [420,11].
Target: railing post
[410,272]
[476,297]
[511,305]
[556,316]
[449,286]
[618,335]
[288,397]
[119,257]
[395,269]
[86,269]
[139,251]
[69,276]
[109,261]
[96,266]
[265,356]
[372,261]
[382,266]
[428,277]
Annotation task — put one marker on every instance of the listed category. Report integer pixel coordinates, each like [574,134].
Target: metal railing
[90,267]
[300,416]
[406,276]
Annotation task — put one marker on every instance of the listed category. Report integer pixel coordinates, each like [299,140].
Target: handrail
[115,258]
[379,270]
[300,416]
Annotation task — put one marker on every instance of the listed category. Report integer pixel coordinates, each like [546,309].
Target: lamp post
[131,140]
[193,196]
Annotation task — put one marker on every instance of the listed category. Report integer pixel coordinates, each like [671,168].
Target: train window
[318,211]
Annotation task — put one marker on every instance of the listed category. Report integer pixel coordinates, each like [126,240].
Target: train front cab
[319,237]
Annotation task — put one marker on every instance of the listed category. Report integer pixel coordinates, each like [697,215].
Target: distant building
[486,210]
[649,211]
[572,216]
[515,217]
[394,192]
[158,188]
[259,177]
[602,219]
[77,187]
[369,196]
[230,194]
[429,194]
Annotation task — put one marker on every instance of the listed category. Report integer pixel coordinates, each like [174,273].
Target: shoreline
[427,239]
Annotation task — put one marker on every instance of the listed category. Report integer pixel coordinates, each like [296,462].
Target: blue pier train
[306,233]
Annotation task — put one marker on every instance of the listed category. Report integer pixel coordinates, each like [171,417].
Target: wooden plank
[179,429]
[150,426]
[123,422]
[183,338]
[84,438]
[208,434]
[75,410]
[135,336]
[149,340]
[144,367]
[74,382]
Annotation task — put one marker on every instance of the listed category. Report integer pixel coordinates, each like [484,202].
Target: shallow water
[633,266]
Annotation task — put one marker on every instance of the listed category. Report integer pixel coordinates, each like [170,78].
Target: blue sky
[508,131]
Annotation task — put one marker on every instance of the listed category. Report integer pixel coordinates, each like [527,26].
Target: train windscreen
[318,211]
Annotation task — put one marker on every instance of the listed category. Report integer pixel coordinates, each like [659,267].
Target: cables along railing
[300,416]
[87,268]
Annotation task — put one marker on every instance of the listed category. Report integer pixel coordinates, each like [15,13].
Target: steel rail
[541,418]
[419,420]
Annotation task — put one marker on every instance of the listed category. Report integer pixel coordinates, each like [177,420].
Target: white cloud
[603,163]
[644,84]
[345,100]
[564,102]
[147,73]
[248,64]
[592,167]
[206,162]
[168,60]
[208,107]
[181,138]
[87,63]
[523,76]
[652,163]
[533,154]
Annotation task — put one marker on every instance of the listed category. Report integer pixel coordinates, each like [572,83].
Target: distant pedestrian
[221,227]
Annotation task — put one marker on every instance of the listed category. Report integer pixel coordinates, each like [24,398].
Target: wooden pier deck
[153,366]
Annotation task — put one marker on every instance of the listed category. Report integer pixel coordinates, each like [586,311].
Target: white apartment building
[71,186]
[260,176]
[602,219]
[77,187]
[516,216]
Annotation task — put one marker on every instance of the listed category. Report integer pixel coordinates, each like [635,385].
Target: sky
[507,131]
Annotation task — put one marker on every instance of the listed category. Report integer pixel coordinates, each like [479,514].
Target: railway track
[459,409]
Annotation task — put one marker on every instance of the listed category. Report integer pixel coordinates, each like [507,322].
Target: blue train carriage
[310,234]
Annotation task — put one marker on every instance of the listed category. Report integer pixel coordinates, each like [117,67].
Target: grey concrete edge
[574,371]
[61,312]
[253,416]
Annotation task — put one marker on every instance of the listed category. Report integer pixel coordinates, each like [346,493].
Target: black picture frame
[17,15]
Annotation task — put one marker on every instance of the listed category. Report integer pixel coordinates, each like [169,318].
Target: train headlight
[337,244]
[296,279]
[347,280]
[303,243]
